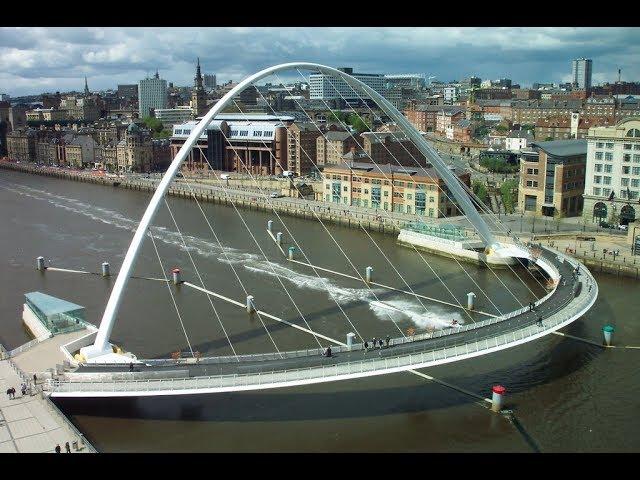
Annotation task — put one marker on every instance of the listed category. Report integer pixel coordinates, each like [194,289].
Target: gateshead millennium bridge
[104,371]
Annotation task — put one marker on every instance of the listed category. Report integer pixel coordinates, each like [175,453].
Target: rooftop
[563,148]
[49,305]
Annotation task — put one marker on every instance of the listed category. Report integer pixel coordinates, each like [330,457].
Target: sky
[35,60]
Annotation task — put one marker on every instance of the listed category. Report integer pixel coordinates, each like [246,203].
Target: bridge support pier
[250,305]
[496,399]
[350,337]
[105,269]
[368,273]
[40,264]
[279,238]
[291,251]
[471,300]
[270,226]
[607,331]
[177,276]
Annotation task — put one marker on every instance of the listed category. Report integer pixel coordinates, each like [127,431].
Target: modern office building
[552,178]
[328,88]
[581,73]
[612,187]
[152,94]
[170,116]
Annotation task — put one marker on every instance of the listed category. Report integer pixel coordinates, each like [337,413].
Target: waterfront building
[581,73]
[552,178]
[331,146]
[237,142]
[328,88]
[21,145]
[152,94]
[46,114]
[393,148]
[134,151]
[301,147]
[418,191]
[612,187]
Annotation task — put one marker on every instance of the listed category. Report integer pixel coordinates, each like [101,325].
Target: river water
[568,395]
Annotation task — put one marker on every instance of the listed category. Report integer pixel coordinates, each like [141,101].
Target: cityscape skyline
[36,60]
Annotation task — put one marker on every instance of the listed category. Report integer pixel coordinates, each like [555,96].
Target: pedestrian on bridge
[366,346]
[35,379]
[58,449]
[387,340]
[67,447]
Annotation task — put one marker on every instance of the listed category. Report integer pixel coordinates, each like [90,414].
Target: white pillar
[105,269]
[279,238]
[471,297]
[291,250]
[250,306]
[368,273]
[177,276]
[607,331]
[496,399]
[270,225]
[40,264]
[350,337]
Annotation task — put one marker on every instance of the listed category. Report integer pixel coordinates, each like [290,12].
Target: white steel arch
[101,345]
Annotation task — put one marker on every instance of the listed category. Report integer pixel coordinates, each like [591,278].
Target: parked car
[622,227]
[275,195]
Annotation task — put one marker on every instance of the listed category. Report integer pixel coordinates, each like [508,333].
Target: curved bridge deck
[571,298]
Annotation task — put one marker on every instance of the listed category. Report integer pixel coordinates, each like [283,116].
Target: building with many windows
[612,187]
[581,73]
[152,94]
[552,178]
[329,88]
[418,191]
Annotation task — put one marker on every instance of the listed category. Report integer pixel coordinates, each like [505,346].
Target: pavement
[28,423]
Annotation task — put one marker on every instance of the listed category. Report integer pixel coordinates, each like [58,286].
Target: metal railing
[577,304]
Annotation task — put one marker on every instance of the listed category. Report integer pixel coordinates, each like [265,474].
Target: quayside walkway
[571,297]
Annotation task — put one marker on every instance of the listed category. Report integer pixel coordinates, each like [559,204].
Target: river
[568,395]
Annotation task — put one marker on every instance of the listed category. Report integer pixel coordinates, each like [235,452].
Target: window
[606,191]
[532,183]
[596,190]
[597,179]
[532,171]
[624,182]
[431,212]
[636,159]
[598,167]
[626,157]
[634,132]
[598,155]
[609,145]
[345,189]
[626,170]
[409,197]
[386,193]
[599,145]
[327,187]
[627,146]
[608,168]
[635,182]
[606,180]
[636,146]
[431,200]
[608,156]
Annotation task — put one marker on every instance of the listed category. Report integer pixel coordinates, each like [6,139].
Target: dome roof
[133,128]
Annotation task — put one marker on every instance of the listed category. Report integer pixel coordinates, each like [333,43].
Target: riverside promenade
[32,423]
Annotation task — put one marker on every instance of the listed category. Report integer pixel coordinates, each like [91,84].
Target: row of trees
[350,119]
[157,128]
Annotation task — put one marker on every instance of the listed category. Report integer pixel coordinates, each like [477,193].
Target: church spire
[86,87]
[198,78]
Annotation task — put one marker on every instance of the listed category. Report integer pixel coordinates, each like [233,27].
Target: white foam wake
[396,309]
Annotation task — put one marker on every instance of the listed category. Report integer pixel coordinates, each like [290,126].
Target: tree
[153,124]
[506,190]
[480,190]
[558,215]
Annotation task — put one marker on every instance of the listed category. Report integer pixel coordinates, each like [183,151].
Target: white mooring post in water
[177,276]
[270,225]
[40,264]
[279,238]
[250,306]
[105,269]
[368,273]
[496,399]
[350,337]
[471,300]
[291,252]
[607,331]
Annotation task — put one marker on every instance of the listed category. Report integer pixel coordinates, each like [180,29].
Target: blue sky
[33,60]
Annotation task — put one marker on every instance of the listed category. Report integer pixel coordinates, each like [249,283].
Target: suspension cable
[200,278]
[170,291]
